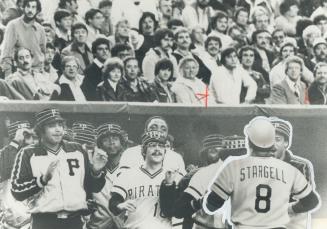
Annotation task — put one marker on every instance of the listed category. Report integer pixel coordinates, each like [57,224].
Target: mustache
[157,153]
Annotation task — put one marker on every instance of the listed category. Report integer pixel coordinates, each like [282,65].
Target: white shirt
[75,86]
[113,85]
[225,86]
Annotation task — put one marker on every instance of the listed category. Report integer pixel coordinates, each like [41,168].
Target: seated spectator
[290,90]
[278,37]
[242,19]
[29,83]
[317,91]
[121,35]
[309,35]
[79,48]
[198,36]
[136,88]
[94,19]
[93,73]
[250,61]
[72,7]
[262,40]
[111,89]
[226,84]
[177,10]
[289,17]
[238,36]
[165,12]
[197,13]
[321,22]
[7,92]
[70,82]
[319,50]
[163,48]
[49,32]
[174,24]
[48,70]
[188,87]
[107,28]
[122,51]
[219,26]
[162,84]
[63,21]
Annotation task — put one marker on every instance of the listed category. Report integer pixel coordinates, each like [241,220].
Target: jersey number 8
[263,194]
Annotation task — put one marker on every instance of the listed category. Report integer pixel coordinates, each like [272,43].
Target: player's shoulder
[71,146]
[33,150]
[297,160]
[132,150]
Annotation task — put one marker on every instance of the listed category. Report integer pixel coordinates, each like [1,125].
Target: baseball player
[56,175]
[284,133]
[259,185]
[132,157]
[136,191]
[110,139]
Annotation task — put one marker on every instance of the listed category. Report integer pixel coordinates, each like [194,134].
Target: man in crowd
[63,22]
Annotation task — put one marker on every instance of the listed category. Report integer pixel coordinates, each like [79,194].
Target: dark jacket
[93,76]
[66,94]
[161,93]
[316,94]
[105,92]
[145,92]
[7,159]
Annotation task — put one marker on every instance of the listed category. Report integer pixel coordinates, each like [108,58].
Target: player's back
[260,188]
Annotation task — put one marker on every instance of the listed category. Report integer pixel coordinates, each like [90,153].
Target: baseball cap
[84,133]
[48,115]
[153,136]
[13,127]
[213,140]
[261,132]
[282,127]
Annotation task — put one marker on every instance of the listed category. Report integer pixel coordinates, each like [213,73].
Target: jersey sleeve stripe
[298,193]
[196,191]
[221,189]
[120,190]
[124,167]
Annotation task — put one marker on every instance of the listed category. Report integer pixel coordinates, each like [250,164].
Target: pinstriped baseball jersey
[139,185]
[259,188]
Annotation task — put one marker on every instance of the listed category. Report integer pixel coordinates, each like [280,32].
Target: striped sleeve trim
[120,190]
[298,193]
[220,191]
[193,192]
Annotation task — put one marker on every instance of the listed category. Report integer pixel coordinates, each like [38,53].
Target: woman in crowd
[188,88]
[70,82]
[136,88]
[162,83]
[317,91]
[111,89]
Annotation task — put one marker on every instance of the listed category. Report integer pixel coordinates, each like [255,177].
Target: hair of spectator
[121,21]
[287,44]
[161,34]
[180,30]
[104,3]
[318,18]
[193,32]
[239,10]
[286,5]
[129,59]
[174,22]
[257,65]
[184,61]
[50,46]
[99,41]
[38,4]
[219,15]
[308,31]
[77,26]
[318,66]
[255,34]
[212,38]
[301,25]
[294,59]
[276,31]
[60,14]
[164,64]
[67,59]
[119,47]
[235,26]
[147,122]
[20,49]
[90,14]
[255,12]
[226,52]
[144,16]
[62,3]
[110,64]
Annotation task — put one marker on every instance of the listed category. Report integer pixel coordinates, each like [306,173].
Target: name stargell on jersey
[259,171]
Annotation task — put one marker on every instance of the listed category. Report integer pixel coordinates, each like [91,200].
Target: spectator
[136,88]
[107,28]
[63,21]
[42,171]
[13,12]
[183,43]
[322,9]
[93,73]
[165,12]
[177,10]
[225,86]
[321,22]
[277,73]
[262,42]
[278,37]
[122,33]
[290,90]
[261,21]
[162,85]
[79,48]
[197,14]
[238,36]
[163,48]
[111,88]
[320,50]
[198,36]
[242,19]
[301,25]
[7,92]
[309,35]
[29,83]
[49,71]
[289,17]
[219,26]
[94,19]
[24,32]
[188,87]
[250,60]
[317,91]
[122,51]
[70,82]
[71,6]
[174,25]
[50,34]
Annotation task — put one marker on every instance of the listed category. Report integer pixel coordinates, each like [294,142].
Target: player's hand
[48,175]
[19,136]
[128,205]
[98,160]
[170,177]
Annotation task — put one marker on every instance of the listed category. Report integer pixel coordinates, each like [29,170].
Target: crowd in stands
[165,51]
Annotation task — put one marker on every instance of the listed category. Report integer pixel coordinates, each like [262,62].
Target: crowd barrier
[190,124]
